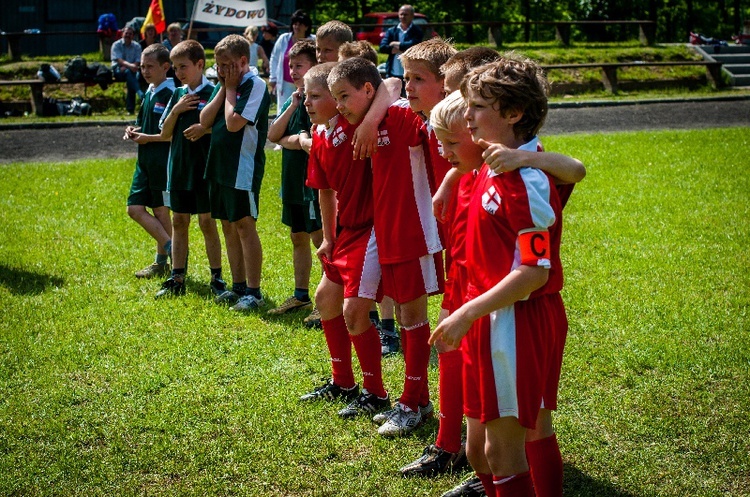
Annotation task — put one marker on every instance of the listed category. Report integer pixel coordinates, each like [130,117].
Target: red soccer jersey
[459,217]
[331,166]
[503,206]
[405,227]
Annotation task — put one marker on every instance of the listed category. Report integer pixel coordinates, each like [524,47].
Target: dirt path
[105,142]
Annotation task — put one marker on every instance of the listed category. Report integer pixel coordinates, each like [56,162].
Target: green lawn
[105,391]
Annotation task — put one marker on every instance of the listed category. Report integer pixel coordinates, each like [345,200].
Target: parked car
[379,22]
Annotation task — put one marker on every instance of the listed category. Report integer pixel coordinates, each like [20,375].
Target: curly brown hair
[513,83]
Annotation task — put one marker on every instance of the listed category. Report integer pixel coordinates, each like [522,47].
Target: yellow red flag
[155,16]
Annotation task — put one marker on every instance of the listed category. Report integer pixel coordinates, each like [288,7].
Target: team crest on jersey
[338,136]
[159,108]
[383,139]
[491,200]
[201,104]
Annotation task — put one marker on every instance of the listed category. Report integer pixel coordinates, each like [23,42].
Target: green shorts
[231,204]
[142,194]
[194,201]
[302,218]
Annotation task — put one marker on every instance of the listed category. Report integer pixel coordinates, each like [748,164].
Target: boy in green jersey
[149,186]
[237,114]
[188,190]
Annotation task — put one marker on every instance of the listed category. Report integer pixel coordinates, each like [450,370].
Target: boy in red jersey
[513,312]
[348,252]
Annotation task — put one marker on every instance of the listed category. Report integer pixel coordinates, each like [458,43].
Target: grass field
[105,391]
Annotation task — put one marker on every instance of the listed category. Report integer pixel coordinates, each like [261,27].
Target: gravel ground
[70,143]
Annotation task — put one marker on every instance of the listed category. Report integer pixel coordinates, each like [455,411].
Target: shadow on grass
[576,483]
[22,282]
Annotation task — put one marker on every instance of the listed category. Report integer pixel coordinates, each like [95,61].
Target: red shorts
[512,360]
[407,281]
[355,264]
[455,288]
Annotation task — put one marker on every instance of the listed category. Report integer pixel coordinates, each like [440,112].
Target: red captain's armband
[534,247]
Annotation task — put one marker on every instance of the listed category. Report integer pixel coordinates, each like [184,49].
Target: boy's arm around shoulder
[365,139]
[565,170]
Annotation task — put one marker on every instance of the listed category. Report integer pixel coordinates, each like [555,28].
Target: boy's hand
[365,140]
[296,98]
[500,158]
[187,102]
[129,131]
[232,77]
[451,330]
[325,251]
[440,203]
[194,132]
[305,141]
[139,138]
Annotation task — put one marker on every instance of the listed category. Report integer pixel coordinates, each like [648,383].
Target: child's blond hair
[251,33]
[158,51]
[318,75]
[174,25]
[233,45]
[359,48]
[449,113]
[433,53]
[340,32]
[190,49]
[357,72]
[513,84]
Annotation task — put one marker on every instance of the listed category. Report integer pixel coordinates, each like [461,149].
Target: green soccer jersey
[237,159]
[153,157]
[187,159]
[294,162]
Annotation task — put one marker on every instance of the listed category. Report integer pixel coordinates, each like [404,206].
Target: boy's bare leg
[476,437]
[317,238]
[302,259]
[180,230]
[386,308]
[330,299]
[211,237]
[505,449]
[234,251]
[252,251]
[158,224]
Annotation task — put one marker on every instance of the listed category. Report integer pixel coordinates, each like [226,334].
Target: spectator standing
[256,51]
[280,80]
[126,61]
[398,39]
[268,40]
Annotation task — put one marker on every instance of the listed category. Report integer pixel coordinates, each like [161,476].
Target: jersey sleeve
[316,176]
[251,97]
[530,214]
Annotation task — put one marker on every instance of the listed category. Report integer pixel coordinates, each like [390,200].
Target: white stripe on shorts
[503,348]
[371,272]
[429,273]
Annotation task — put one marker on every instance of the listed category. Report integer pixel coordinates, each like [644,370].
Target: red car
[379,22]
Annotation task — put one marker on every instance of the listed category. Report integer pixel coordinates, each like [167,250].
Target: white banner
[231,12]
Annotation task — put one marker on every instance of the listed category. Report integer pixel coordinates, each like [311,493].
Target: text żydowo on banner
[230,12]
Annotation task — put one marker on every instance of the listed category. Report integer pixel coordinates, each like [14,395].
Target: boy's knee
[357,315]
[206,223]
[136,211]
[300,239]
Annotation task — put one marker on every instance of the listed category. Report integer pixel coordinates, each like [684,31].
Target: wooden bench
[609,69]
[36,87]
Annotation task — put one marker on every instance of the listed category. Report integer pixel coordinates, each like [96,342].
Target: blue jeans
[131,82]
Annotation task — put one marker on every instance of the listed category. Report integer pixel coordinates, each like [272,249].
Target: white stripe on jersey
[423,199]
[371,273]
[503,353]
[246,169]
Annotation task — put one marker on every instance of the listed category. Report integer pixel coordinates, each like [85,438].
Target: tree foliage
[674,18]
